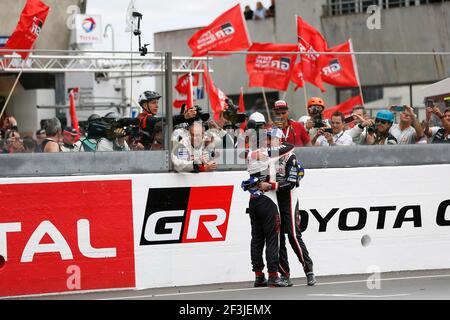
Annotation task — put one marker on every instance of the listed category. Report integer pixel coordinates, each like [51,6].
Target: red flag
[216,96]
[29,27]
[340,69]
[178,104]
[311,41]
[183,83]
[227,33]
[73,112]
[346,107]
[271,70]
[190,93]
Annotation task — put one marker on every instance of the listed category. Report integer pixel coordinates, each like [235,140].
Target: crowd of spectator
[102,133]
[260,12]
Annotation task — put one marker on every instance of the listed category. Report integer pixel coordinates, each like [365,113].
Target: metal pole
[168,102]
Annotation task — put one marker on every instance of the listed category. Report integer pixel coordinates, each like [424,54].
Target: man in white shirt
[337,136]
[408,130]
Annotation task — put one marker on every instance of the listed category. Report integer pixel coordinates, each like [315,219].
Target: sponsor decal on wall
[186,215]
[59,237]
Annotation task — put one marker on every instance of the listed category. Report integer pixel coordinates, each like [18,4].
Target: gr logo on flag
[186,215]
[333,67]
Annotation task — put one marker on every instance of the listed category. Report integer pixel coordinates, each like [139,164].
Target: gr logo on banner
[186,215]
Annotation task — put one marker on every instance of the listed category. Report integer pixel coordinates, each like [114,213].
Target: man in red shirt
[294,132]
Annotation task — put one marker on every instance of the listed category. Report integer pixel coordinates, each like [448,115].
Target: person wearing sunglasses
[294,132]
[378,130]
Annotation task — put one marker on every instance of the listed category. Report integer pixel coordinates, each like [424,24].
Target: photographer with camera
[334,136]
[114,139]
[376,132]
[192,153]
[294,132]
[316,106]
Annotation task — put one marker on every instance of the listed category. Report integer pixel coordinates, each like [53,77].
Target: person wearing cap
[377,132]
[294,132]
[71,141]
[289,172]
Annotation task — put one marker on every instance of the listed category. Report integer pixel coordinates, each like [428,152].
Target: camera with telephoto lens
[232,113]
[372,129]
[104,128]
[316,115]
[201,116]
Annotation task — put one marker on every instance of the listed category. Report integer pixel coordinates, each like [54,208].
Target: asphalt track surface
[412,285]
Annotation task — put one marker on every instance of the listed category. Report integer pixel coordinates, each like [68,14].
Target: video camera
[201,116]
[104,128]
[232,113]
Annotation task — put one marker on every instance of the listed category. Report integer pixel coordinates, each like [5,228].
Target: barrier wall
[162,230]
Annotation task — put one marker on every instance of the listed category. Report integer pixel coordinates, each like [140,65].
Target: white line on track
[252,289]
[357,295]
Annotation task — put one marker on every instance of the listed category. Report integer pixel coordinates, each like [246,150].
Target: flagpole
[305,94]
[355,65]
[11,92]
[267,104]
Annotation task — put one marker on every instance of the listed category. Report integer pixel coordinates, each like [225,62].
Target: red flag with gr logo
[29,27]
[271,70]
[310,66]
[340,70]
[227,33]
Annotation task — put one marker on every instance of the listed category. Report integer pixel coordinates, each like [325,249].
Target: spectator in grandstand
[248,13]
[294,132]
[190,153]
[336,136]
[307,122]
[71,141]
[40,137]
[362,121]
[12,142]
[260,12]
[270,13]
[377,132]
[30,145]
[438,134]
[53,133]
[409,129]
[115,142]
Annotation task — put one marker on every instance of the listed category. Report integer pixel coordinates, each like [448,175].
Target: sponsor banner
[65,237]
[88,29]
[381,219]
[192,229]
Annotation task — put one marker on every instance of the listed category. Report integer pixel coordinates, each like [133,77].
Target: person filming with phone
[334,136]
[408,130]
[437,134]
